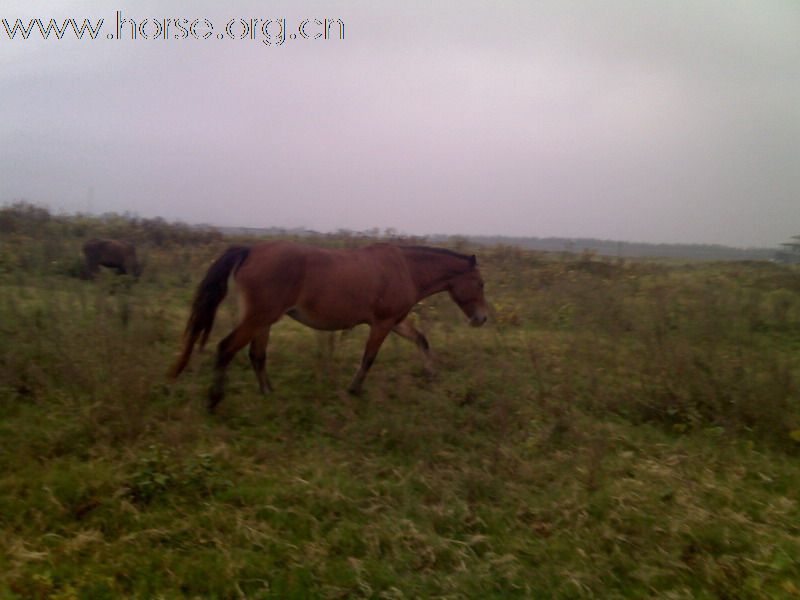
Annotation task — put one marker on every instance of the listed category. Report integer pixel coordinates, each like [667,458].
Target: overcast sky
[638,120]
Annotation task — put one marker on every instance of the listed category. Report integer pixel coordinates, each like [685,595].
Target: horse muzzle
[477,320]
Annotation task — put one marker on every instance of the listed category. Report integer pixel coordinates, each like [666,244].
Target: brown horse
[329,290]
[114,254]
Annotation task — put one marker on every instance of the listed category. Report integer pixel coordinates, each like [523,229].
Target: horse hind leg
[226,350]
[91,269]
[258,358]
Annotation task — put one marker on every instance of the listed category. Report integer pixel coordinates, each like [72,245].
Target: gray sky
[638,120]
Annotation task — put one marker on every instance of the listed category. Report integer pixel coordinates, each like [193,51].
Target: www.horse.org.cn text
[270,32]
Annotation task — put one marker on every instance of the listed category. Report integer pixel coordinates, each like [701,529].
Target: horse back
[330,288]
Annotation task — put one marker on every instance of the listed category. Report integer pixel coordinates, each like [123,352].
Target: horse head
[466,290]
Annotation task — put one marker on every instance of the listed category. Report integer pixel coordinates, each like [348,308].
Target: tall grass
[619,430]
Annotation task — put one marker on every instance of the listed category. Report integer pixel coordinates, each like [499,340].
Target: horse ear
[473,261]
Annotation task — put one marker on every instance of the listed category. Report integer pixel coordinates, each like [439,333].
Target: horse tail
[209,295]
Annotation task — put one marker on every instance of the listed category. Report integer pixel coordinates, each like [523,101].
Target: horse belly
[323,322]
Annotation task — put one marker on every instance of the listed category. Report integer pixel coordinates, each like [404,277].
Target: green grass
[618,431]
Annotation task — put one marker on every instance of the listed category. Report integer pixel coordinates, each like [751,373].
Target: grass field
[619,430]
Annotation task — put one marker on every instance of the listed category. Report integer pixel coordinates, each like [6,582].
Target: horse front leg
[406,330]
[377,333]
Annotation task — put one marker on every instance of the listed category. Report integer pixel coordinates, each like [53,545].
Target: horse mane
[444,251]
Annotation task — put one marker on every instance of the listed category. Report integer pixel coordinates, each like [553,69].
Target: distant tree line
[790,252]
[613,248]
[27,219]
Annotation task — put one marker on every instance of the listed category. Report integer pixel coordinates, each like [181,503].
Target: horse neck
[431,270]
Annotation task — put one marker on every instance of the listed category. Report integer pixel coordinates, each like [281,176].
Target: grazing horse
[326,289]
[114,254]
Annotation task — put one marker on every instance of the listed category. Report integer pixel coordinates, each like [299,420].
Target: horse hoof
[211,407]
